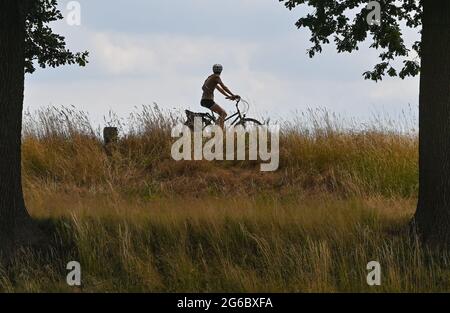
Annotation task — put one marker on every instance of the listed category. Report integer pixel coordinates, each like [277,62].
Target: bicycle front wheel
[249,122]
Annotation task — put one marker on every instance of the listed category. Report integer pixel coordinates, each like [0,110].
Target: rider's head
[217,69]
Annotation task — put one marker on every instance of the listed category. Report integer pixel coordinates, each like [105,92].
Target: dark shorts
[207,103]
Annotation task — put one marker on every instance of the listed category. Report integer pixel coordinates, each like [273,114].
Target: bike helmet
[217,69]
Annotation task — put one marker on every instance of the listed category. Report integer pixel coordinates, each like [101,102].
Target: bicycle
[240,118]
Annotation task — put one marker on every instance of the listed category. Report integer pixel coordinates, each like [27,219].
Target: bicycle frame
[210,118]
[238,115]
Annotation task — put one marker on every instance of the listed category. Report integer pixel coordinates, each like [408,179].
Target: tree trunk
[433,213]
[16,226]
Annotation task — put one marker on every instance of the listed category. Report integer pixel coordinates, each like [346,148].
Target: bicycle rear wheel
[207,119]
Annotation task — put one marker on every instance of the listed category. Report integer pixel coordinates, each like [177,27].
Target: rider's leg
[222,114]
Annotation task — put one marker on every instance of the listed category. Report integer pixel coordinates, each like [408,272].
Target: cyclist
[212,83]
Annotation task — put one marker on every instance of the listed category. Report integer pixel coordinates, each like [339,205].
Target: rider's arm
[226,89]
[222,91]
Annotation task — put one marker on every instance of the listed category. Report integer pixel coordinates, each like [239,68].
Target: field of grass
[138,221]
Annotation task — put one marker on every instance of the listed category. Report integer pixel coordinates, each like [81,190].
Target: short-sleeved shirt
[210,85]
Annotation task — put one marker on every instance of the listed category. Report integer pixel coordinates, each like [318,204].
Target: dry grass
[62,148]
[138,221]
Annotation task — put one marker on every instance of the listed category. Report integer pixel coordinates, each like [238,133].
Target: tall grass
[261,244]
[61,147]
[138,221]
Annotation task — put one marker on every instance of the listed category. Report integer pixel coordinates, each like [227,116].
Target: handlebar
[244,105]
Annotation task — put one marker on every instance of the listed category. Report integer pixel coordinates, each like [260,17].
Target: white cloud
[164,54]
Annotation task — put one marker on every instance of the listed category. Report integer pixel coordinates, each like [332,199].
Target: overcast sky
[145,51]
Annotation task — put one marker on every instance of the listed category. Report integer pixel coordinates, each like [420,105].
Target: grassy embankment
[138,221]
